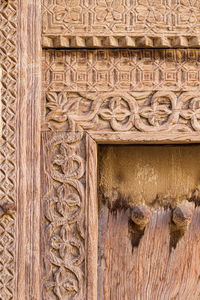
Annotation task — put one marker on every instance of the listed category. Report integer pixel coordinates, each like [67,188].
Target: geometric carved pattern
[106,91]
[64,234]
[108,70]
[123,111]
[8,61]
[118,18]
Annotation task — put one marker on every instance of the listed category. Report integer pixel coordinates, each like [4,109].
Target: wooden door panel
[149,271]
[161,262]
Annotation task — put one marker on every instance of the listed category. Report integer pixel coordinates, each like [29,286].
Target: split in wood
[181,218]
[140,217]
[7,208]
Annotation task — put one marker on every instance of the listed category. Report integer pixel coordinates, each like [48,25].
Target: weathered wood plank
[149,271]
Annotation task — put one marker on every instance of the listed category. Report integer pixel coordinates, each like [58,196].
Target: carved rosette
[64,204]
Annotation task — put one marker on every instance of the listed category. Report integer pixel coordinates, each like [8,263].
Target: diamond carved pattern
[8,192]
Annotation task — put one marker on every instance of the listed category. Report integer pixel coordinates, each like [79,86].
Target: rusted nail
[182,215]
[140,215]
[181,218]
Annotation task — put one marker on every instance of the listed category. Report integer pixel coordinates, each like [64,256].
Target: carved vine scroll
[64,202]
[123,111]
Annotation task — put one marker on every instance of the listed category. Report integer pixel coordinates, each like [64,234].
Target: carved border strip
[122,111]
[120,23]
[121,69]
[60,41]
[64,211]
[8,185]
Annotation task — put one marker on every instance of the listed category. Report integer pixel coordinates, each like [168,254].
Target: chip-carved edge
[129,41]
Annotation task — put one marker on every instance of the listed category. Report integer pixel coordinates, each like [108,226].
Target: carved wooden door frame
[93,139]
[21,114]
[85,287]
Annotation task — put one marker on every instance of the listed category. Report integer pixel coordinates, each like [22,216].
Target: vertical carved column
[63,210]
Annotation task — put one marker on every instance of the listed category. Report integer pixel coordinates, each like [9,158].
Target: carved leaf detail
[122,112]
[64,254]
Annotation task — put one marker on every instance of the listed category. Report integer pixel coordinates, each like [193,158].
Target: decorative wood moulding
[120,23]
[108,70]
[64,212]
[120,42]
[8,185]
[122,111]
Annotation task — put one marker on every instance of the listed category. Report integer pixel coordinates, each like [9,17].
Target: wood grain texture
[148,271]
[157,175]
[28,151]
[57,234]
[92,218]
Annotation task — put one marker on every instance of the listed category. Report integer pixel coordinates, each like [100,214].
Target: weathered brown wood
[144,138]
[91,219]
[155,175]
[149,271]
[28,151]
[145,251]
[52,238]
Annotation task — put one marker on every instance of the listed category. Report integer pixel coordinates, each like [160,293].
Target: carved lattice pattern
[8,57]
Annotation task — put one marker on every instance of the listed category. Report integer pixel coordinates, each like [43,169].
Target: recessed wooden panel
[159,177]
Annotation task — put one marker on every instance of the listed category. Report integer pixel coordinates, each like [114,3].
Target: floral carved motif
[125,111]
[64,219]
